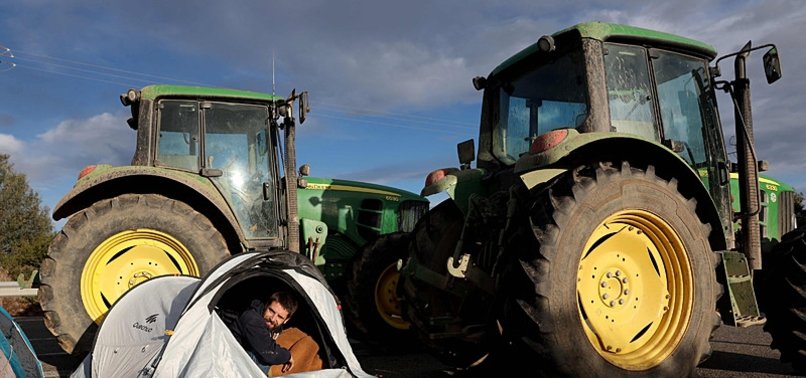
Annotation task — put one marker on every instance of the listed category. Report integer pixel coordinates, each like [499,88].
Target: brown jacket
[304,350]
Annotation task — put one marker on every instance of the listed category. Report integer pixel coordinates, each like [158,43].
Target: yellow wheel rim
[386,298]
[635,289]
[126,259]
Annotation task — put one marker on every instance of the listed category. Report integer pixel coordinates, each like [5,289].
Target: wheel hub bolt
[612,286]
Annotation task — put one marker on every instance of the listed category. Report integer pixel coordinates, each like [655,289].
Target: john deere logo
[151,319]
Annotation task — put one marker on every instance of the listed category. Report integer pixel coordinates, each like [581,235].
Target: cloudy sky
[390,82]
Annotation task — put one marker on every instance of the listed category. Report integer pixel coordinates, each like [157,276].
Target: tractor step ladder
[744,307]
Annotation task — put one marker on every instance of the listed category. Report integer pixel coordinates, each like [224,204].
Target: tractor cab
[232,145]
[626,84]
[633,87]
[230,138]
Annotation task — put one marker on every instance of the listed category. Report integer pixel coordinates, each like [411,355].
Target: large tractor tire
[115,244]
[784,293]
[372,299]
[619,279]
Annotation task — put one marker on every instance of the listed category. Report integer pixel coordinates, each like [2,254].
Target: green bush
[25,226]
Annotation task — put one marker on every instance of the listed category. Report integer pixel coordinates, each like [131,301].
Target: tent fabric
[200,343]
[17,351]
[142,320]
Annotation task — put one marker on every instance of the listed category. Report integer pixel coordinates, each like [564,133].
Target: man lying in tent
[177,326]
[259,330]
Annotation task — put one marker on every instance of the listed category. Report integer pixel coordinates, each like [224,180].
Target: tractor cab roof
[152,92]
[603,31]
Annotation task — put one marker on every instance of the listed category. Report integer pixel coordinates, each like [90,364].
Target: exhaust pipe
[748,168]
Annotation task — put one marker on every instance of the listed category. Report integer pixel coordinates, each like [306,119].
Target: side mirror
[467,153]
[772,65]
[304,106]
[479,82]
[130,97]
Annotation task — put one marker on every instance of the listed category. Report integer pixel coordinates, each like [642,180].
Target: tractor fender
[576,149]
[458,184]
[106,181]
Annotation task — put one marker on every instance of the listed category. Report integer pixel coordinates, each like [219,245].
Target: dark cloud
[380,55]
[376,56]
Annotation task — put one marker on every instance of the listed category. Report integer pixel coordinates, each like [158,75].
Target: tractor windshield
[235,139]
[682,101]
[551,96]
[629,91]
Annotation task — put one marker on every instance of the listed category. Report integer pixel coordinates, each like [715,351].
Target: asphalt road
[738,352]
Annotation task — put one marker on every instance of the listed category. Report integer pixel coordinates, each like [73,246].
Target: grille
[410,213]
[786,213]
[369,218]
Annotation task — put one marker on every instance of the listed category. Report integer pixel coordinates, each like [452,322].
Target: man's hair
[285,299]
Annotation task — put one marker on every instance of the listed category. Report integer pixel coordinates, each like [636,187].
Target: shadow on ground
[743,363]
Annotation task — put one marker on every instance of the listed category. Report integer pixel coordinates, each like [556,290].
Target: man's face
[275,315]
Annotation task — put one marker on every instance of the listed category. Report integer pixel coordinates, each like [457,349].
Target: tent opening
[237,297]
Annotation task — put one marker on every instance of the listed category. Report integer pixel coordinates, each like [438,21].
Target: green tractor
[368,228]
[596,235]
[214,173]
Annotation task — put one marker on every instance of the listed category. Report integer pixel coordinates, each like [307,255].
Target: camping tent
[171,326]
[18,357]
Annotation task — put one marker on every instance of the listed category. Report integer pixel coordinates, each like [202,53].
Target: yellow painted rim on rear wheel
[126,259]
[386,302]
[635,289]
